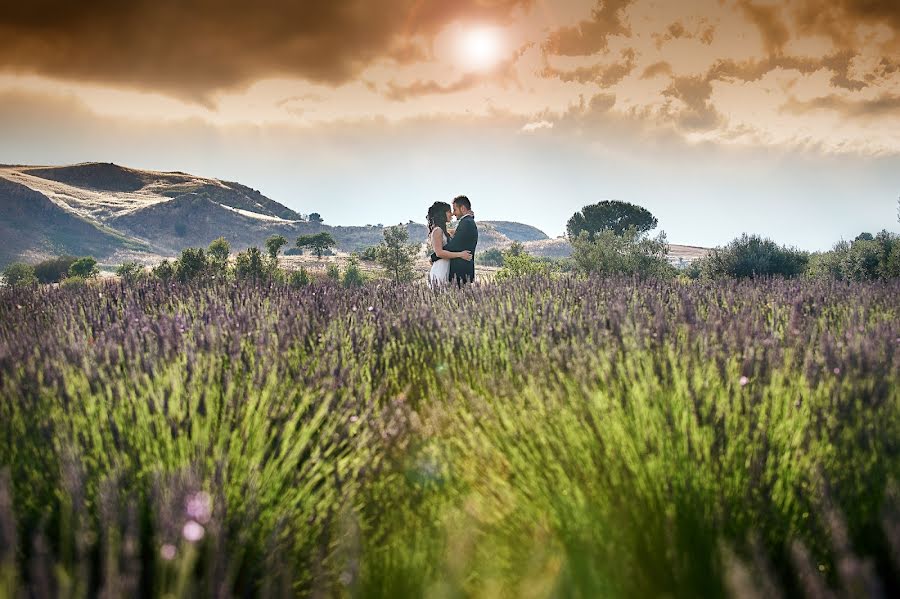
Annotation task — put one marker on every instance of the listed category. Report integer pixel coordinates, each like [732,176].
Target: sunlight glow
[481,47]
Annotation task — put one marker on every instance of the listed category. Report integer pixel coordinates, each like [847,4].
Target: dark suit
[466,238]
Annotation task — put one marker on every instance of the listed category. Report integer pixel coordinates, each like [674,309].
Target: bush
[396,255]
[491,257]
[131,272]
[333,272]
[293,252]
[217,255]
[632,253]
[353,276]
[751,256]
[522,265]
[165,271]
[84,268]
[251,264]
[863,259]
[53,270]
[299,278]
[192,265]
[73,282]
[19,274]
[370,254]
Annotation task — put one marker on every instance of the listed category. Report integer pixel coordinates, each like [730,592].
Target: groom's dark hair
[462,201]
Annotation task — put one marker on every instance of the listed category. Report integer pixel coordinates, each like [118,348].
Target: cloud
[536,126]
[698,112]
[605,75]
[885,105]
[676,31]
[590,36]
[768,19]
[657,68]
[194,48]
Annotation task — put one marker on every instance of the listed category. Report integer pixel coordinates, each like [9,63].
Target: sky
[780,118]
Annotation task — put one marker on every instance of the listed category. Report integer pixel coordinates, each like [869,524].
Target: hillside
[116,213]
[32,226]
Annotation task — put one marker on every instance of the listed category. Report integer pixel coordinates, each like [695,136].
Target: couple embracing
[453,259]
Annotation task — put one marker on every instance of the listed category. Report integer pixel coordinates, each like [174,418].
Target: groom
[466,238]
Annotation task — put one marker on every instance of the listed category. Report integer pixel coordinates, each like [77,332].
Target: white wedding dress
[440,270]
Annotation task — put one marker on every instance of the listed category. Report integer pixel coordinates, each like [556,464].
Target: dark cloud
[698,112]
[837,19]
[590,36]
[676,31]
[605,75]
[771,25]
[753,70]
[192,48]
[884,105]
[657,68]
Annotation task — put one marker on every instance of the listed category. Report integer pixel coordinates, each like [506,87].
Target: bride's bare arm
[437,242]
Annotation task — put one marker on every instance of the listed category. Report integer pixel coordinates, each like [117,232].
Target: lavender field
[538,438]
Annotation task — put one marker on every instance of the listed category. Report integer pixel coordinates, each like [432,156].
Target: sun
[481,47]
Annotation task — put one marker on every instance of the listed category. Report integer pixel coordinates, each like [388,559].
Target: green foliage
[54,270]
[353,276]
[192,265]
[299,278]
[217,255]
[131,272]
[610,215]
[751,256]
[863,259]
[75,282]
[273,245]
[318,243]
[333,272]
[370,254]
[251,265]
[19,274]
[491,257]
[517,264]
[84,268]
[632,253]
[396,255]
[315,217]
[165,271]
[864,237]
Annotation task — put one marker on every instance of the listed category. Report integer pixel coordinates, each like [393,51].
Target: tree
[53,270]
[250,264]
[353,276]
[273,245]
[864,237]
[396,255]
[192,265]
[318,243]
[610,215]
[130,272]
[165,271]
[218,252]
[315,217]
[631,253]
[491,257]
[84,267]
[19,274]
[752,256]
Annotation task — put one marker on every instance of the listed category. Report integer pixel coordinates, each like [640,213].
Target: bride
[438,216]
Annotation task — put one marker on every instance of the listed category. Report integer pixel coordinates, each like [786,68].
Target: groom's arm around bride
[466,238]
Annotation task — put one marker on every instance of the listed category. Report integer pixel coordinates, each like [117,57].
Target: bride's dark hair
[437,216]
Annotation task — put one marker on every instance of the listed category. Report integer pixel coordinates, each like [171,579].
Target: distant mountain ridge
[116,213]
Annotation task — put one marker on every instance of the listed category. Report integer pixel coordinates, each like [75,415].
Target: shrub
[299,278]
[632,253]
[53,270]
[251,264]
[73,282]
[353,276]
[520,266]
[863,259]
[84,267]
[396,255]
[131,272]
[19,274]
[217,253]
[491,257]
[370,254]
[273,245]
[192,265]
[752,256]
[333,272]
[165,271]
[293,252]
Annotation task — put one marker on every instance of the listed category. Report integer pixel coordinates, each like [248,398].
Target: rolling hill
[116,213]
